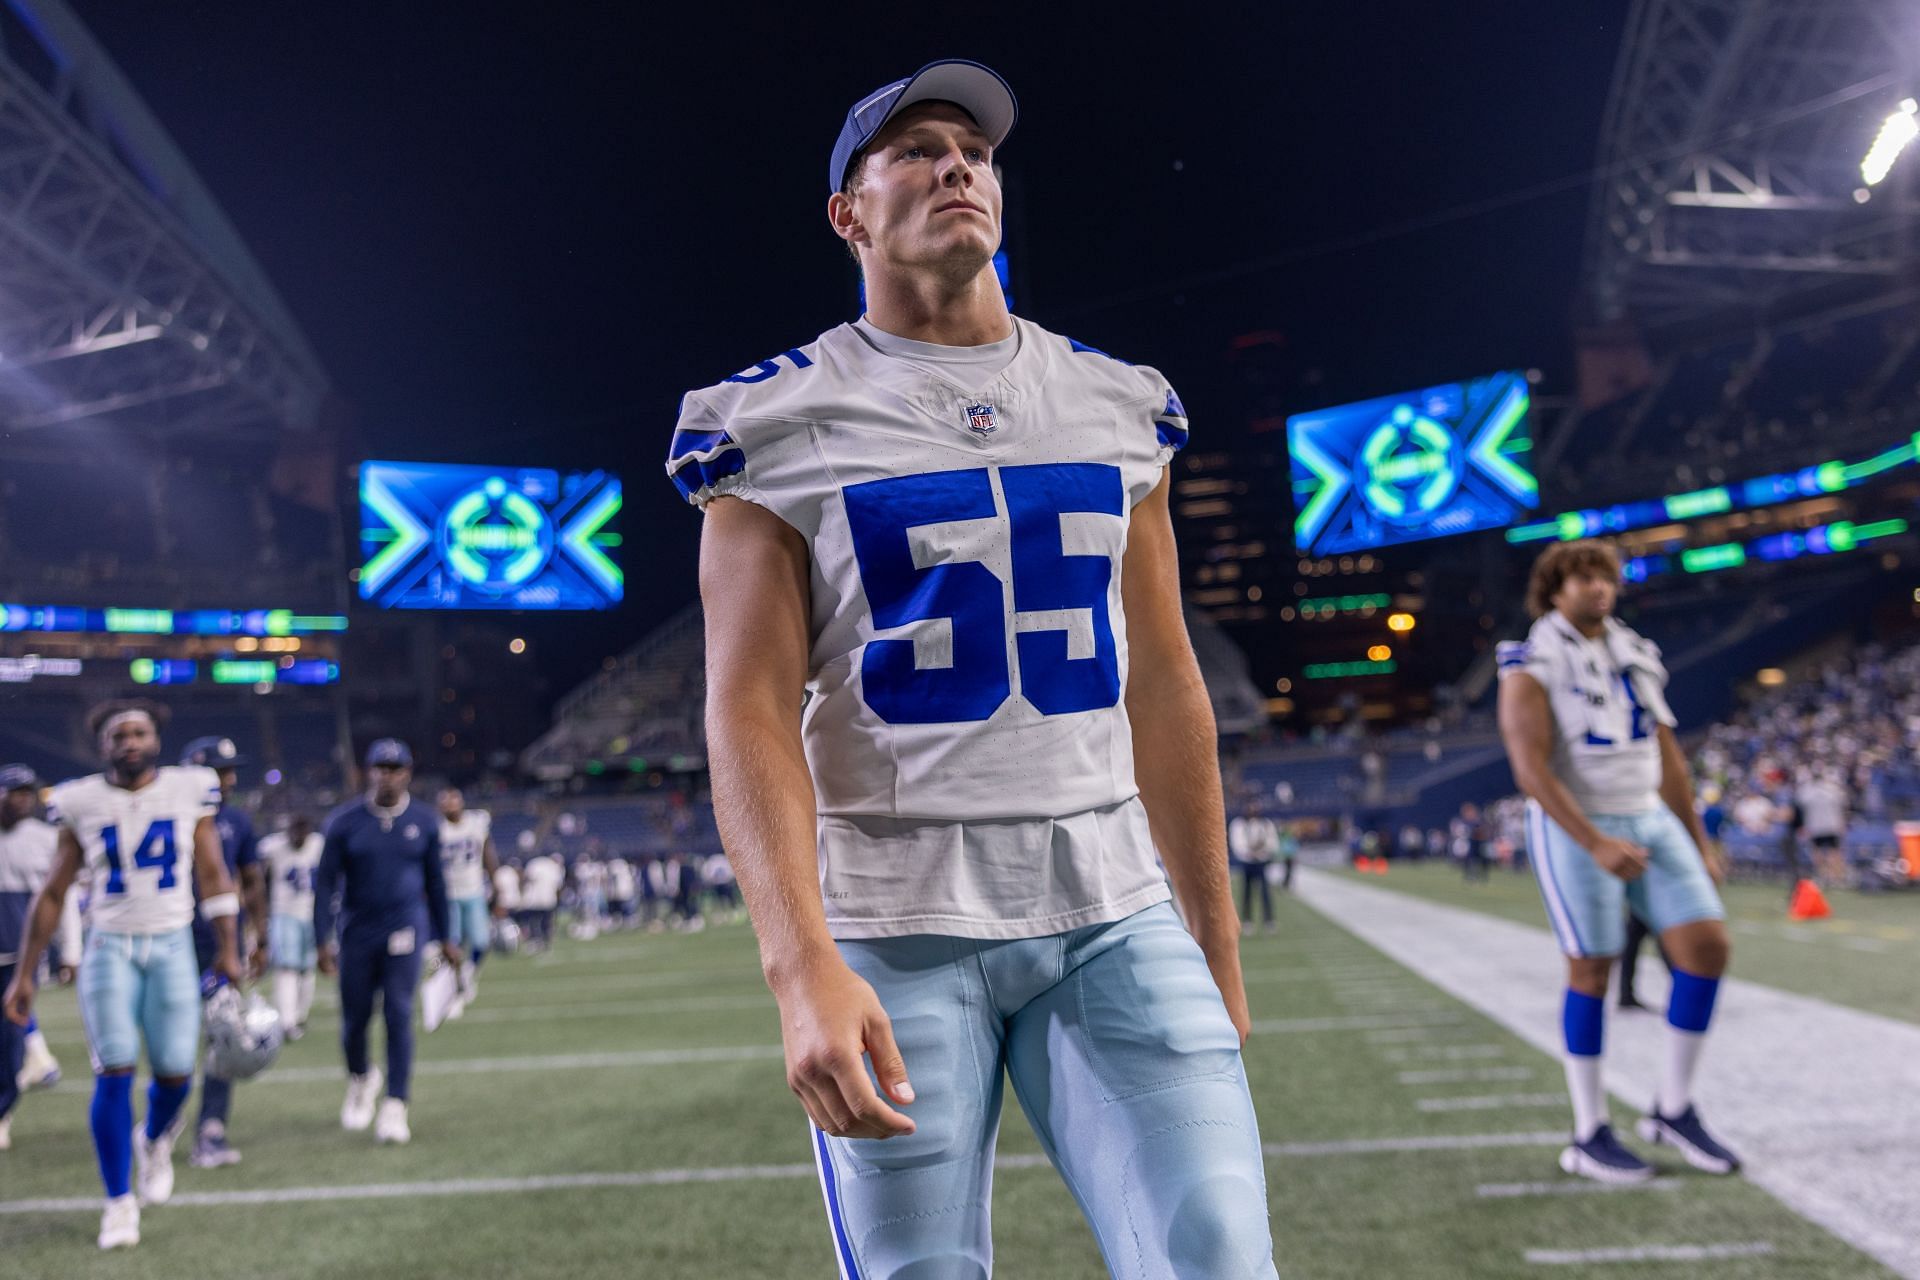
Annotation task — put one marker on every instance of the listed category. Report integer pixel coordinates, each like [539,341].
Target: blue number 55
[973,600]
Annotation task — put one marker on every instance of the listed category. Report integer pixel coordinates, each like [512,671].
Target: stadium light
[1898,130]
[1378,653]
[1400,622]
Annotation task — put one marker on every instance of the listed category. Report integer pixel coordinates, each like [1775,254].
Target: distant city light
[1378,653]
[1400,622]
[1898,130]
[1772,677]
[516,645]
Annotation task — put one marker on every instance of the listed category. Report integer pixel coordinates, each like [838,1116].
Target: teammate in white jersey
[291,858]
[134,828]
[945,530]
[468,860]
[1611,826]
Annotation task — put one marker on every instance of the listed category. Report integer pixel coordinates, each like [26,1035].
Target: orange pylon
[1808,903]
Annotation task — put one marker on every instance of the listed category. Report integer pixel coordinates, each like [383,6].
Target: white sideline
[724,1173]
[1815,1097]
[1649,1253]
[1492,1102]
[1466,1075]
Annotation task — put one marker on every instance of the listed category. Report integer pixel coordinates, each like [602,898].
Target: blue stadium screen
[1449,459]
[443,536]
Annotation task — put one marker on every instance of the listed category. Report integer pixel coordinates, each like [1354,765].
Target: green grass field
[1866,955]
[644,1071]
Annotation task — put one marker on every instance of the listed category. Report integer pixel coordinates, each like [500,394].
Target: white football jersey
[1608,697]
[290,871]
[461,847]
[138,845]
[968,647]
[540,883]
[620,879]
[506,888]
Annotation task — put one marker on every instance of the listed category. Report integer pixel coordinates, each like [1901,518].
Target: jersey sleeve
[202,788]
[1169,423]
[705,460]
[1529,656]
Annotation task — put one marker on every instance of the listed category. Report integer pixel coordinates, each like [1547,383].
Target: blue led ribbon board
[444,536]
[1426,464]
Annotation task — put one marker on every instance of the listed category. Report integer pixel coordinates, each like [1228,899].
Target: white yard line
[1812,1095]
[1649,1253]
[1573,1187]
[548,1062]
[1491,1102]
[1447,1052]
[1419,1021]
[724,1173]
[1466,1075]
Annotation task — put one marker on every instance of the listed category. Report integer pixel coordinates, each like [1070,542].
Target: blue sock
[112,1118]
[479,954]
[33,1025]
[1691,1006]
[1583,1019]
[163,1104]
[216,1099]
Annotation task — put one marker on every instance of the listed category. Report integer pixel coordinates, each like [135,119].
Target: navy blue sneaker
[1685,1131]
[210,1150]
[1603,1159]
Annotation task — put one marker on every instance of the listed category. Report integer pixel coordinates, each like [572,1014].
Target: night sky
[515,234]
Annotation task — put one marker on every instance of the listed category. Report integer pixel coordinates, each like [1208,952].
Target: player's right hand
[1621,858]
[829,1021]
[329,965]
[19,998]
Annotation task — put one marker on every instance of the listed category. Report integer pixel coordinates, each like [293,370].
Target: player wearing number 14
[143,833]
[944,531]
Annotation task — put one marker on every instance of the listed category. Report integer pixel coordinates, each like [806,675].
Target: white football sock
[306,993]
[286,986]
[1676,1080]
[1589,1094]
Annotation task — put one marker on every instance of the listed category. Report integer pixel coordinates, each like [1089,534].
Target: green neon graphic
[141,621]
[583,532]
[140,670]
[467,535]
[244,671]
[1701,502]
[1511,413]
[1342,670]
[411,535]
[1707,559]
[1388,468]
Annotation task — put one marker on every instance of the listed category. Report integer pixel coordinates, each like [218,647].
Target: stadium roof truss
[124,291]
[1730,157]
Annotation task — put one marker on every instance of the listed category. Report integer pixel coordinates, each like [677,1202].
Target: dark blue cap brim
[975,88]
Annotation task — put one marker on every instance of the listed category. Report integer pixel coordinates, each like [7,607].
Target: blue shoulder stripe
[1171,423]
[699,460]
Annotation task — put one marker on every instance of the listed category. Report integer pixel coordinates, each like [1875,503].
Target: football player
[291,858]
[1611,823]
[146,833]
[241,851]
[936,543]
[468,860]
[28,848]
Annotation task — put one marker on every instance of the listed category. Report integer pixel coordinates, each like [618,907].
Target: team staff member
[241,853]
[27,850]
[382,856]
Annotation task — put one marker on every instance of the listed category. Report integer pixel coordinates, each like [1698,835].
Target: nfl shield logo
[980,419]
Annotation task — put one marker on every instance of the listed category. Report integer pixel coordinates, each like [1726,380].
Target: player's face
[928,196]
[298,830]
[17,804]
[229,779]
[390,782]
[452,805]
[131,746]
[1587,596]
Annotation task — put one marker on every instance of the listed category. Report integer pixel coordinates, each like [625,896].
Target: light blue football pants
[141,987]
[1124,1060]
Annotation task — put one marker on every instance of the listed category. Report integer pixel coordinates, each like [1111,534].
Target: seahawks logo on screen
[439,536]
[1449,459]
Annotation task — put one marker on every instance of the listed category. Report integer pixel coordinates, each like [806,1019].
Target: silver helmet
[243,1034]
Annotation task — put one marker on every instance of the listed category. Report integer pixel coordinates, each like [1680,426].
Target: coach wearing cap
[382,857]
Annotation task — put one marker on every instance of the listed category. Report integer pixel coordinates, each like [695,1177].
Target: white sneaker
[6,1133]
[356,1113]
[152,1166]
[392,1125]
[39,1069]
[120,1224]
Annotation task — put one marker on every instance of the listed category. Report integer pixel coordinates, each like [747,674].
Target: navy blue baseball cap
[18,777]
[213,753]
[389,751]
[977,89]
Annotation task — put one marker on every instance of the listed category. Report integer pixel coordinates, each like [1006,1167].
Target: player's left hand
[257,964]
[227,965]
[450,952]
[1225,967]
[17,1004]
